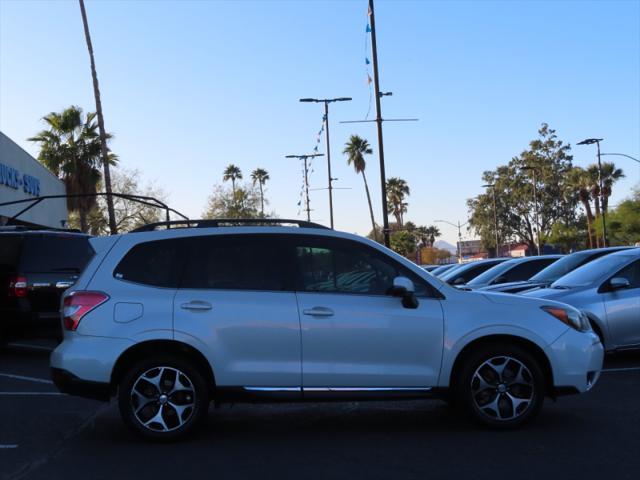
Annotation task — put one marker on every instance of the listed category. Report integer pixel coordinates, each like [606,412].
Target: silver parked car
[608,291]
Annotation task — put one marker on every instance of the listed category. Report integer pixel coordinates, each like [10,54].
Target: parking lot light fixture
[459,226]
[600,199]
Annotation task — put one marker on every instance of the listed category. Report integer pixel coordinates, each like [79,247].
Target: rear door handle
[196,305]
[318,312]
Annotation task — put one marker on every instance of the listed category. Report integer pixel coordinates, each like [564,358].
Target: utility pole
[306,178]
[590,141]
[326,102]
[495,216]
[376,87]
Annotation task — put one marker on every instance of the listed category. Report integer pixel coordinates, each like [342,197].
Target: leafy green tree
[403,242]
[623,222]
[355,150]
[260,176]
[397,191]
[243,202]
[70,148]
[514,193]
[579,185]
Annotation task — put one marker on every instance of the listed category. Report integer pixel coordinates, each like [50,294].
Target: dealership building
[23,177]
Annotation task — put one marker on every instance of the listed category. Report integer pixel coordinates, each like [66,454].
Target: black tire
[170,372]
[505,400]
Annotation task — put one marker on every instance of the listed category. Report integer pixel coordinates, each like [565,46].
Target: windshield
[492,273]
[592,272]
[561,267]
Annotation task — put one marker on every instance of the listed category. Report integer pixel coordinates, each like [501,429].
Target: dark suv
[36,266]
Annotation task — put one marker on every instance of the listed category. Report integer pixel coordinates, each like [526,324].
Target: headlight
[571,317]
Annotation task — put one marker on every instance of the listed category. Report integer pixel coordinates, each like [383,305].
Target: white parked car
[170,320]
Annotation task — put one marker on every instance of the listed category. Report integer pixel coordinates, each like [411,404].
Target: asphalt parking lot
[44,434]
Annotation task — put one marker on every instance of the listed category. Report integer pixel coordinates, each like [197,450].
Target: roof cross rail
[230,222]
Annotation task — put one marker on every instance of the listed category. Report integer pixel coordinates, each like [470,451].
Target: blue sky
[191,86]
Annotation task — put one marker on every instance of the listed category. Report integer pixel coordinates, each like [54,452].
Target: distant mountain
[445,246]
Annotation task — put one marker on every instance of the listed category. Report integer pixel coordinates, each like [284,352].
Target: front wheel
[501,386]
[163,398]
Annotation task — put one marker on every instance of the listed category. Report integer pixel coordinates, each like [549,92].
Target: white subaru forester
[170,320]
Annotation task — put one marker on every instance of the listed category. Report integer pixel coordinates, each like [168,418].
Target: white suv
[170,320]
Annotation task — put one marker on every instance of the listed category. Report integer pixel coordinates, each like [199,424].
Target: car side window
[157,263]
[338,266]
[526,270]
[236,262]
[632,273]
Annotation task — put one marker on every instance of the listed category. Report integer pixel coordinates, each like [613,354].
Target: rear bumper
[68,383]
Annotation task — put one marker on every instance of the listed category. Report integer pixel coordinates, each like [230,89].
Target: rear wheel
[163,398]
[501,386]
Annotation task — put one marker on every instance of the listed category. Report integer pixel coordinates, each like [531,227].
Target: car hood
[509,299]
[550,293]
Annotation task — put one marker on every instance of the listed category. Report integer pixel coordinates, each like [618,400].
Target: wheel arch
[148,348]
[501,339]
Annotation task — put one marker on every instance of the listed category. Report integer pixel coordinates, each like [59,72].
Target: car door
[623,307]
[355,335]
[236,302]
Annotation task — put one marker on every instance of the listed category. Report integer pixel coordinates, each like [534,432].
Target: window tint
[597,270]
[526,270]
[157,263]
[237,262]
[55,253]
[338,266]
[631,273]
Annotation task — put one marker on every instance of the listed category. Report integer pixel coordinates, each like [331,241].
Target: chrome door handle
[318,312]
[196,305]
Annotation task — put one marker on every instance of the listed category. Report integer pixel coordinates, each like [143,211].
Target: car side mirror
[405,289]
[618,283]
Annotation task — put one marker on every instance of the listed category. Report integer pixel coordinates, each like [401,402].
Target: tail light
[77,304]
[18,286]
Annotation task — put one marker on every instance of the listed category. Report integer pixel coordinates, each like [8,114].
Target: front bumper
[577,359]
[68,383]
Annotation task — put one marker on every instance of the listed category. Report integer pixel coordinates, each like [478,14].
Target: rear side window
[55,253]
[158,263]
[237,262]
[526,270]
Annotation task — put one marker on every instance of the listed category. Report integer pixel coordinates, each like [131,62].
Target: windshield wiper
[561,287]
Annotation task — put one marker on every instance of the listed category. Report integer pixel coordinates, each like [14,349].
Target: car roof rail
[26,228]
[227,222]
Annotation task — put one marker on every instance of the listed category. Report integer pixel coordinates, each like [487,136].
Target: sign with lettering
[12,178]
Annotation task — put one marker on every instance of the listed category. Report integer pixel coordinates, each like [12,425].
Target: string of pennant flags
[310,164]
[367,62]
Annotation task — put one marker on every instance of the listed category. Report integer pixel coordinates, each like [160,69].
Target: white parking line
[626,369]
[8,446]
[27,346]
[29,379]
[54,394]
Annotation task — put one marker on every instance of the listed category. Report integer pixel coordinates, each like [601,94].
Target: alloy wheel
[163,399]
[502,388]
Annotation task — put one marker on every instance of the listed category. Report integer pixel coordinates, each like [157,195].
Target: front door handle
[318,312]
[196,305]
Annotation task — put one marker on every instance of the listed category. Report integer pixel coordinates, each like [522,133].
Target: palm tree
[610,175]
[580,182]
[260,176]
[232,173]
[432,232]
[71,148]
[397,191]
[103,134]
[355,149]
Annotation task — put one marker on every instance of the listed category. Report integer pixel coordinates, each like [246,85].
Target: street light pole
[459,226]
[306,178]
[495,216]
[326,102]
[590,141]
